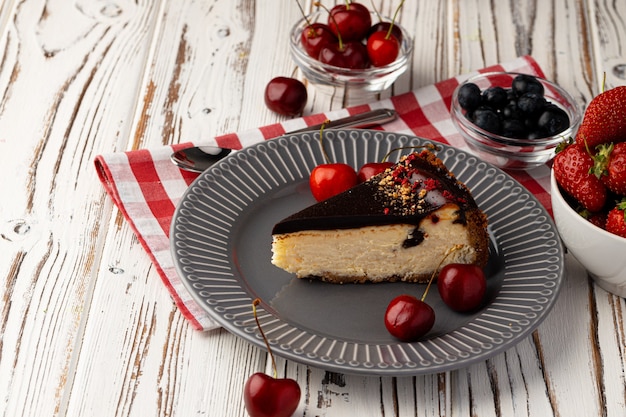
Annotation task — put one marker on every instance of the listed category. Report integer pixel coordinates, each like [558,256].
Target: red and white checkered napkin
[146,186]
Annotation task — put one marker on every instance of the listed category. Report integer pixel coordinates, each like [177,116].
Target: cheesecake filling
[314,253]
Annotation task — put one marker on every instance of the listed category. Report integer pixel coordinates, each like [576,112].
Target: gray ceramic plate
[221,243]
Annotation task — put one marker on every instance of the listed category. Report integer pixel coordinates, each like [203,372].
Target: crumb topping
[408,189]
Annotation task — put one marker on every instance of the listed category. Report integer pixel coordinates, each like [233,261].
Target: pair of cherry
[462,287]
[329,179]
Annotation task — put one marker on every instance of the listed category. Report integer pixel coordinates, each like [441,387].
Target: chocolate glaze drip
[393,197]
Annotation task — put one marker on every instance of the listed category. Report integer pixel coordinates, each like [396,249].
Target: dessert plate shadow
[221,244]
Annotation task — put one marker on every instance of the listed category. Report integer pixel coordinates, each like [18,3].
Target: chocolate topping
[406,193]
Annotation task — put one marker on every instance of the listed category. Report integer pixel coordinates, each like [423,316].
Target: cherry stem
[255,303]
[326,158]
[432,277]
[306,18]
[393,21]
[339,40]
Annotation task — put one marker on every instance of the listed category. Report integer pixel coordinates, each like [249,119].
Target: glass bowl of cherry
[514,121]
[355,52]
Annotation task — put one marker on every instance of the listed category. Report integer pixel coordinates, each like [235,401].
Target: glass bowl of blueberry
[359,57]
[512,120]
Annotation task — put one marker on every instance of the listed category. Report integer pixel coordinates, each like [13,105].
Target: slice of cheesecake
[398,226]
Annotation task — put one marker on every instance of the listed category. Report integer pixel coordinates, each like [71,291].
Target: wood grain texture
[64,100]
[86,326]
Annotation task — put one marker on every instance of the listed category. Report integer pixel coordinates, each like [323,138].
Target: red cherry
[316,36]
[370,169]
[408,318]
[327,180]
[462,287]
[351,21]
[351,55]
[382,48]
[286,96]
[265,396]
[384,27]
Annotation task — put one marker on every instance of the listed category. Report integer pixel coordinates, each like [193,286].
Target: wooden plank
[63,100]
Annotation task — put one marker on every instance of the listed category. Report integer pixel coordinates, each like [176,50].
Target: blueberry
[523,84]
[553,120]
[510,111]
[488,120]
[469,96]
[510,94]
[512,128]
[530,124]
[495,97]
[531,104]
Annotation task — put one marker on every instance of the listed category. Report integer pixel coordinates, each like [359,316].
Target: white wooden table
[86,326]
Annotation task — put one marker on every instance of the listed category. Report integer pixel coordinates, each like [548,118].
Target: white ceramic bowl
[509,153]
[357,83]
[603,254]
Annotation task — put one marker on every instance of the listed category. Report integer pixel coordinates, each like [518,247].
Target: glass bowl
[514,153]
[358,84]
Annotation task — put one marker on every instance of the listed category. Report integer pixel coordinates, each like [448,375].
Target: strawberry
[604,118]
[572,167]
[597,219]
[610,166]
[616,219]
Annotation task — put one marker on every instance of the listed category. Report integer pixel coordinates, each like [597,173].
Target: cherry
[382,48]
[314,37]
[351,21]
[371,169]
[408,318]
[462,287]
[384,27]
[352,55]
[383,42]
[286,96]
[266,396]
[327,180]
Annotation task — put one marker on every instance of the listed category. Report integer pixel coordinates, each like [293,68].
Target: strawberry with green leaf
[598,218]
[572,170]
[616,219]
[610,166]
[604,118]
